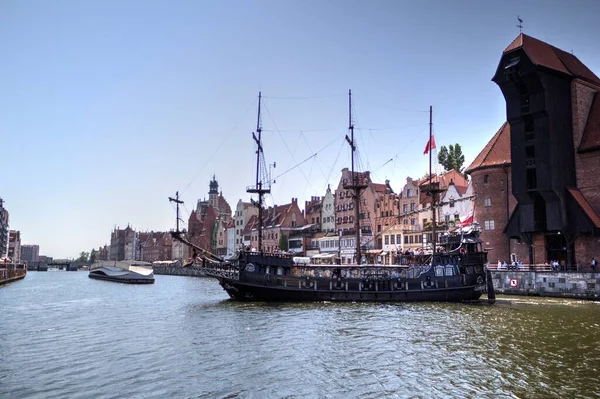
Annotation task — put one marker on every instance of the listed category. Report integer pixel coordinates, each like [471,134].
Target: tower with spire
[213,193]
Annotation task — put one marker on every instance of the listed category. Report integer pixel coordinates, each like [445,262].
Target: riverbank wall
[581,285]
[178,271]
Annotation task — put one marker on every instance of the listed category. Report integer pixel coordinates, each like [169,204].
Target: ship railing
[226,270]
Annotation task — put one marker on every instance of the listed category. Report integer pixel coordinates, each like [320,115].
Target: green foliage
[83,256]
[283,242]
[93,256]
[451,157]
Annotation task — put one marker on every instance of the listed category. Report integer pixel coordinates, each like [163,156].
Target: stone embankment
[582,285]
[178,271]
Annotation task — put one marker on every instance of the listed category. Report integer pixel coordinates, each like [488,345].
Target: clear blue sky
[109,107]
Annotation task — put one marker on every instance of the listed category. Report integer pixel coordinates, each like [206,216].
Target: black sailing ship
[454,271]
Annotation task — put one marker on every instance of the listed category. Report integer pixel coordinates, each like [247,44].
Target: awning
[383,253]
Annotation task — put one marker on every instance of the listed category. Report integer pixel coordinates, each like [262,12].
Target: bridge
[71,266]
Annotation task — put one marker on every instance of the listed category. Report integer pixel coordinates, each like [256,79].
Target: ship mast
[433,190]
[356,185]
[177,201]
[259,188]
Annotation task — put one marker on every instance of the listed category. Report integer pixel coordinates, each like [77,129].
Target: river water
[63,335]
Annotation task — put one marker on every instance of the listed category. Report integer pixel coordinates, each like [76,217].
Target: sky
[109,107]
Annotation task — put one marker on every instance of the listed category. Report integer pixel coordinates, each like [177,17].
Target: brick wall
[586,164]
[495,241]
[587,247]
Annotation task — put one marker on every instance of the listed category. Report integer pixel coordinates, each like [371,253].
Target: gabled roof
[495,153]
[250,225]
[379,187]
[585,206]
[548,56]
[591,134]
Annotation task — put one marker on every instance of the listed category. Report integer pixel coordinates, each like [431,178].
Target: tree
[283,242]
[83,256]
[93,256]
[451,157]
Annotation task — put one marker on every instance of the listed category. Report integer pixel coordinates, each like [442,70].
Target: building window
[398,239]
[405,208]
[392,239]
[378,228]
[387,239]
[405,221]
[447,218]
[487,202]
[489,225]
[486,178]
[412,206]
[409,193]
[406,239]
[412,221]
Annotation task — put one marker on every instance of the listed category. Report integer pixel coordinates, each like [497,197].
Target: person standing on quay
[594,265]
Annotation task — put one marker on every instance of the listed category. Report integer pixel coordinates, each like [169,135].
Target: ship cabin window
[280,271]
[470,270]
[268,270]
[449,271]
[439,271]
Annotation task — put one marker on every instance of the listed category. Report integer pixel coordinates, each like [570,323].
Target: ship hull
[251,292]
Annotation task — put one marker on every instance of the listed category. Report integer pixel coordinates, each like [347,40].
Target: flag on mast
[430,145]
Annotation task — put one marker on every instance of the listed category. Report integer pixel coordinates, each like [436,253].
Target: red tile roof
[585,206]
[495,153]
[546,55]
[591,134]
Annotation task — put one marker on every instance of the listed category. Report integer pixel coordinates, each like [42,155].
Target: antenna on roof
[520,26]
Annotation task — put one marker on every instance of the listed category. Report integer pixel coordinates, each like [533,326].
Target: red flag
[430,145]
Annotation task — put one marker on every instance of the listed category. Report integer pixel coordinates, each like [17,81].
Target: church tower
[213,193]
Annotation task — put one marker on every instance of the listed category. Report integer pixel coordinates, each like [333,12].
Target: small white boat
[124,271]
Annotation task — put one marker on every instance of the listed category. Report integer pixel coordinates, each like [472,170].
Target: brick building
[277,220]
[494,202]
[553,109]
[313,210]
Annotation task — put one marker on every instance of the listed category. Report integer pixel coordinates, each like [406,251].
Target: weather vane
[520,26]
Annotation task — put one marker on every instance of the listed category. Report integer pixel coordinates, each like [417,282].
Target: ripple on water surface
[65,335]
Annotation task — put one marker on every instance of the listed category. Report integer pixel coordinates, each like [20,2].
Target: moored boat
[453,270]
[126,271]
